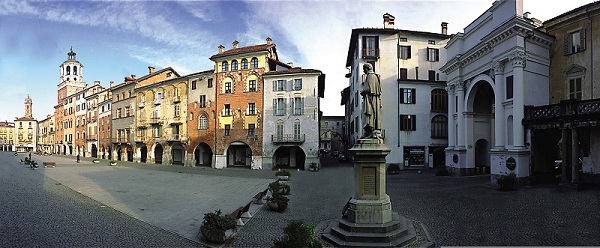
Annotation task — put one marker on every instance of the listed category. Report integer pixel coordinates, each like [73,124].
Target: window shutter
[414,96]
[302,106]
[289,85]
[567,44]
[292,107]
[284,107]
[364,46]
[408,52]
[402,95]
[274,85]
[376,46]
[275,106]
[428,54]
[582,39]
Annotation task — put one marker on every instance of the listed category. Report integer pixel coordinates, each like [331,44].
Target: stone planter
[283,178]
[95,161]
[113,163]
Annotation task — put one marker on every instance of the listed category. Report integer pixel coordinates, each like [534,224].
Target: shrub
[279,188]
[442,171]
[393,169]
[214,226]
[298,234]
[279,201]
[283,173]
[507,182]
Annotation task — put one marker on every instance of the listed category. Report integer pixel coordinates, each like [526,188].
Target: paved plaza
[463,211]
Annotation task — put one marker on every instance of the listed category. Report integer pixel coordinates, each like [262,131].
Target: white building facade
[496,67]
[291,118]
[413,91]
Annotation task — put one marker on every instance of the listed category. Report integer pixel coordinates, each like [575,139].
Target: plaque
[369,181]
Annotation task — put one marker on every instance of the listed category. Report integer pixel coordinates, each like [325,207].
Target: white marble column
[460,88]
[451,121]
[499,120]
[518,62]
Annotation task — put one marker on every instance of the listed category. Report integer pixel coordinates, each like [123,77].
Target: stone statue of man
[371,93]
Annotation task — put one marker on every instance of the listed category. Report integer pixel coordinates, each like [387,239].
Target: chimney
[221,48]
[388,21]
[526,14]
[96,82]
[150,69]
[444,28]
[269,41]
[235,44]
[291,64]
[112,83]
[133,76]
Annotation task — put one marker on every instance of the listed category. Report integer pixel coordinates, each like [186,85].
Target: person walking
[77,158]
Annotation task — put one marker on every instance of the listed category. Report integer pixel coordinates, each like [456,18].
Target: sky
[114,39]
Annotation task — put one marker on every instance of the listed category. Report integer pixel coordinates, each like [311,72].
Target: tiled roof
[292,71]
[25,119]
[241,50]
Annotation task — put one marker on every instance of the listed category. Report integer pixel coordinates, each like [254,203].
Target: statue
[371,93]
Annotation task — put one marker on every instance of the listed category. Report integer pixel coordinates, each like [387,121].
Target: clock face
[455,158]
[511,163]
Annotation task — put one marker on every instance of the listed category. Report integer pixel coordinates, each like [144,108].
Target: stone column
[574,155]
[370,203]
[499,120]
[451,122]
[460,87]
[563,155]
[518,62]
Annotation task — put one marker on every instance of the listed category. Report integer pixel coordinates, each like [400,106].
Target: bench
[258,198]
[246,211]
[46,164]
[237,215]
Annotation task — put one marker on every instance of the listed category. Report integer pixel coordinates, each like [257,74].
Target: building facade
[413,90]
[46,136]
[290,118]
[104,124]
[496,67]
[122,114]
[566,132]
[25,134]
[331,133]
[7,133]
[201,125]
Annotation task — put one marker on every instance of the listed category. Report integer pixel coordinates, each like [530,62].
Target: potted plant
[393,169]
[297,234]
[508,182]
[112,162]
[215,225]
[95,161]
[277,202]
[313,167]
[283,175]
[279,188]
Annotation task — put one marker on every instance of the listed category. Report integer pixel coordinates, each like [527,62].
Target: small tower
[71,76]
[28,110]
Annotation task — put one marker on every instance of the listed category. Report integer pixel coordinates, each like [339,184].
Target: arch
[234,65]
[289,157]
[474,87]
[228,79]
[482,156]
[177,153]
[254,62]
[244,64]
[439,126]
[238,154]
[143,153]
[74,70]
[225,66]
[68,71]
[203,155]
[203,121]
[158,153]
[94,151]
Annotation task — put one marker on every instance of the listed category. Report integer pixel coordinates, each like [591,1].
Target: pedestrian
[29,155]
[77,158]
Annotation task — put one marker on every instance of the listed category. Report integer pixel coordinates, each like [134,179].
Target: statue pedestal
[369,220]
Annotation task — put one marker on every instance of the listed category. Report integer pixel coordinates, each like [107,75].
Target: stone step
[404,234]
[396,223]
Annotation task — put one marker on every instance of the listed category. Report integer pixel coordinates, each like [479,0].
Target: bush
[442,171]
[508,182]
[283,173]
[214,226]
[298,234]
[393,169]
[279,188]
[278,201]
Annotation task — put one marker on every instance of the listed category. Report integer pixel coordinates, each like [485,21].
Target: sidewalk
[161,195]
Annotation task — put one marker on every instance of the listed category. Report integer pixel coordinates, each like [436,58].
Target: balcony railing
[174,137]
[141,105]
[287,138]
[566,110]
[176,99]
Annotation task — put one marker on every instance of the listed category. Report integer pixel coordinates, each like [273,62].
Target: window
[244,64]
[297,130]
[279,131]
[403,52]
[403,73]
[251,129]
[509,87]
[158,96]
[279,106]
[431,42]
[203,122]
[127,111]
[408,122]
[234,65]
[439,127]
[68,71]
[227,87]
[202,101]
[227,110]
[210,83]
[279,85]
[191,116]
[254,63]
[297,106]
[176,111]
[155,114]
[433,54]
[403,39]
[431,74]
[370,46]
[251,108]
[298,84]
[157,130]
[408,96]
[227,129]
[575,42]
[194,85]
[575,89]
[224,66]
[439,100]
[252,85]
[118,114]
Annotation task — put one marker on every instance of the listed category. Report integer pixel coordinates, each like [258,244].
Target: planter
[113,163]
[283,178]
[96,161]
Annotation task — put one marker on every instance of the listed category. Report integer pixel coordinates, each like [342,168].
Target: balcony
[141,105]
[570,110]
[176,99]
[287,138]
[157,101]
[141,139]
[174,137]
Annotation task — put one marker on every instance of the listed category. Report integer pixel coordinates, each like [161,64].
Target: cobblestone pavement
[36,211]
[463,211]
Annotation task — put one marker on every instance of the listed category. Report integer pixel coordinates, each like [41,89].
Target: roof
[292,71]
[25,119]
[357,31]
[242,50]
[582,9]
[200,73]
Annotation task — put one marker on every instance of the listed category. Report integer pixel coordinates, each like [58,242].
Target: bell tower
[28,104]
[71,76]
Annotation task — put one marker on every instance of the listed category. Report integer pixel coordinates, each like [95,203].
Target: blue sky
[114,39]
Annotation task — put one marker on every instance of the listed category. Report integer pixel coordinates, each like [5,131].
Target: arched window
[439,100]
[279,130]
[254,63]
[297,135]
[74,70]
[68,70]
[225,66]
[244,64]
[439,126]
[203,122]
[234,65]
